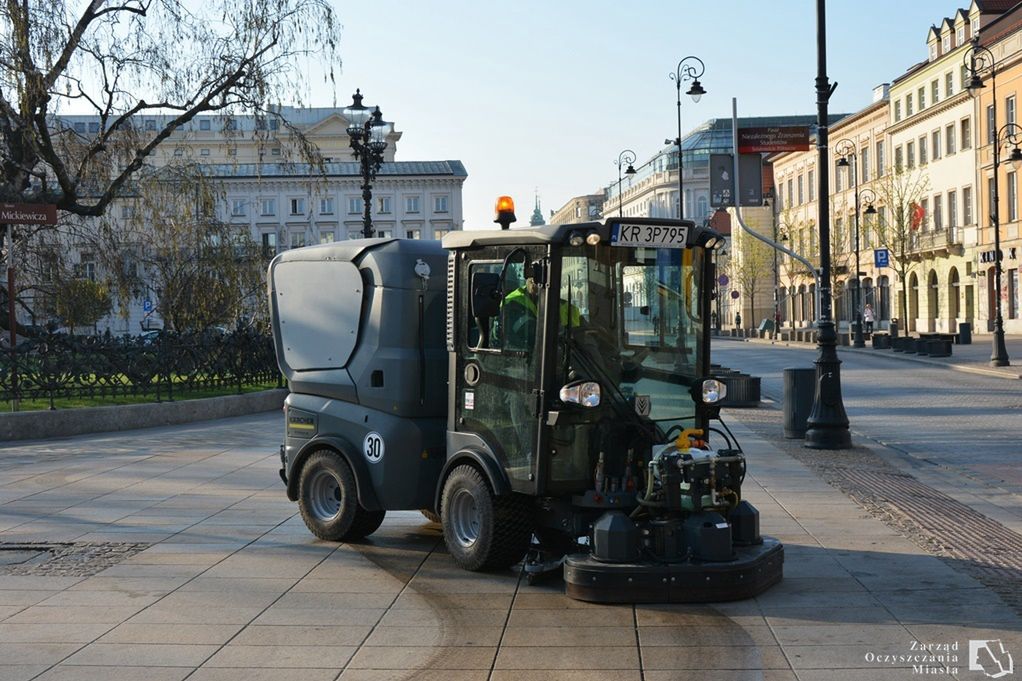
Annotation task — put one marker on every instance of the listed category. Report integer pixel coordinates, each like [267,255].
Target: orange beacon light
[505,212]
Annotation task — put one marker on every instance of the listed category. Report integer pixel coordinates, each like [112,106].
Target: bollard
[965,333]
[799,392]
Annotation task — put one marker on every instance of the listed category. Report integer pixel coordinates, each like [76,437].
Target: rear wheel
[328,499]
[483,531]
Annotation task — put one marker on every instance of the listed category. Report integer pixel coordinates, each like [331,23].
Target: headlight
[713,391]
[585,393]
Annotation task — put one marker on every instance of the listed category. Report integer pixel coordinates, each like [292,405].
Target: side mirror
[486,295]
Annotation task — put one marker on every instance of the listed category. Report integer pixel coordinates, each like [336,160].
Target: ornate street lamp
[827,425]
[977,60]
[625,157]
[367,135]
[689,68]
[847,149]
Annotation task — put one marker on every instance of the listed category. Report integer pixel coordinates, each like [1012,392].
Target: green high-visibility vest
[520,296]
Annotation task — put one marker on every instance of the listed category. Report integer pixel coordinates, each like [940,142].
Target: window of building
[949,83]
[298,239]
[790,201]
[1009,109]
[355,205]
[204,124]
[204,151]
[908,105]
[801,190]
[960,35]
[945,43]
[964,75]
[935,145]
[94,126]
[383,233]
[935,91]
[178,151]
[297,206]
[838,176]
[864,164]
[921,98]
[974,25]
[991,125]
[232,151]
[839,234]
[898,159]
[966,205]
[269,241]
[952,209]
[938,212]
[923,158]
[150,124]
[127,210]
[881,162]
[413,234]
[990,196]
[326,206]
[238,207]
[1013,302]
[275,151]
[897,111]
[441,230]
[966,137]
[933,51]
[412,205]
[949,139]
[910,153]
[383,204]
[812,184]
[80,126]
[440,204]
[925,205]
[327,236]
[268,206]
[274,124]
[1012,197]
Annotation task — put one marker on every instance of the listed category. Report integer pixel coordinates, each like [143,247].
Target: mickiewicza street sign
[28,213]
[882,257]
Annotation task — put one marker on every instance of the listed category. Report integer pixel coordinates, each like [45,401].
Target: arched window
[932,296]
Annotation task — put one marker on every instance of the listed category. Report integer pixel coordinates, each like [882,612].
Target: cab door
[499,359]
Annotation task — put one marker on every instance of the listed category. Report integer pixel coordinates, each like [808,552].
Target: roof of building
[347,169]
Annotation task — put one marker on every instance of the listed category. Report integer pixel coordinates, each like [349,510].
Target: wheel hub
[324,496]
[464,518]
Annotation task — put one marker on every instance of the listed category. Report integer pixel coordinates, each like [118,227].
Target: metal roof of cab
[555,234]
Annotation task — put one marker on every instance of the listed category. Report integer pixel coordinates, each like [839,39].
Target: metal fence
[55,366]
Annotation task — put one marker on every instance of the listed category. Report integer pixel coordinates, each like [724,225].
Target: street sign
[758,140]
[723,280]
[28,213]
[882,257]
[147,305]
[722,184]
[735,294]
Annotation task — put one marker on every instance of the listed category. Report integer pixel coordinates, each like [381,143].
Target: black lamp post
[367,135]
[689,68]
[847,149]
[827,425]
[977,60]
[625,157]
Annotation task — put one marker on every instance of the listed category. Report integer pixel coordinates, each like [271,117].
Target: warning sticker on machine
[470,400]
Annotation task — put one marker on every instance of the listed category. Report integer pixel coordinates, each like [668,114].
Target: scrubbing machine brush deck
[570,423]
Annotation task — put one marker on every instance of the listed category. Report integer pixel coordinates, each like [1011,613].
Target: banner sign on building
[768,140]
[722,184]
[28,213]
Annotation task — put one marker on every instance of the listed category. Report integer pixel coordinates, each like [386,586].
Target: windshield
[631,319]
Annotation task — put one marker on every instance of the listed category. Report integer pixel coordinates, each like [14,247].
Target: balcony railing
[937,242]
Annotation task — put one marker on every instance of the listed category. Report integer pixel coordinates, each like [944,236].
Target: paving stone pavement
[230,584]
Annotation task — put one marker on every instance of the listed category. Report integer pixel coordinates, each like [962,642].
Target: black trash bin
[965,333]
[799,391]
[894,329]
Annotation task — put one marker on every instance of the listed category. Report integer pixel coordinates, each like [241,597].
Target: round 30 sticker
[372,447]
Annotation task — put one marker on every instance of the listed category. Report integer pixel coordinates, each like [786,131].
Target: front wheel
[328,500]
[482,531]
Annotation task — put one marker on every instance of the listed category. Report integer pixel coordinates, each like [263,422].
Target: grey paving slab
[262,674]
[424,657]
[152,632]
[52,632]
[309,635]
[67,672]
[142,654]
[36,653]
[21,672]
[282,656]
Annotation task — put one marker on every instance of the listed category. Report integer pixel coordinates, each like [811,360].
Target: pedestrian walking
[868,317]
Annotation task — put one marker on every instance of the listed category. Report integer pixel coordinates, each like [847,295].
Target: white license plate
[655,236]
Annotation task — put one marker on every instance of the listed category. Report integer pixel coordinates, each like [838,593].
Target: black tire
[483,531]
[328,499]
[431,516]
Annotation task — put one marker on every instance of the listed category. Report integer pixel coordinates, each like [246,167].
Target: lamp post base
[999,354]
[827,425]
[858,340]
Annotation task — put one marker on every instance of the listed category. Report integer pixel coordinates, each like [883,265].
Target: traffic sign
[735,294]
[147,305]
[882,257]
[723,280]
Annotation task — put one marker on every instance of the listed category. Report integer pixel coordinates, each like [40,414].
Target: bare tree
[899,194]
[752,270]
[127,59]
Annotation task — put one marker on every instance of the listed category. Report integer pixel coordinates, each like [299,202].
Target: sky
[542,95]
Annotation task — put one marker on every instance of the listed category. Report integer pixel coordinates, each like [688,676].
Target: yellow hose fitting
[683,438]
